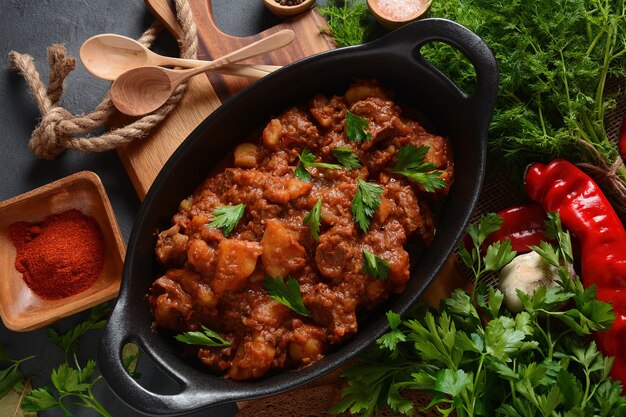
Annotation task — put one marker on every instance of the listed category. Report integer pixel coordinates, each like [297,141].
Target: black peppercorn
[289,2]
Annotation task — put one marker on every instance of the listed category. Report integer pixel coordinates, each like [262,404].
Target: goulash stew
[269,262]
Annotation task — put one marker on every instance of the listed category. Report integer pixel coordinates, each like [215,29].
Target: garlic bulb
[525,273]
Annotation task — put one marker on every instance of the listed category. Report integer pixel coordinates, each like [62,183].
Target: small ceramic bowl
[287,11]
[20,308]
[391,20]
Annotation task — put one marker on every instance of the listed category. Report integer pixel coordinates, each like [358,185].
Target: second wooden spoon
[145,89]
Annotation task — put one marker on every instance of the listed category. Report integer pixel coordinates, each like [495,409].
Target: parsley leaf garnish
[366,201]
[347,158]
[307,159]
[227,217]
[206,337]
[302,173]
[357,128]
[411,164]
[69,341]
[374,266]
[313,219]
[287,293]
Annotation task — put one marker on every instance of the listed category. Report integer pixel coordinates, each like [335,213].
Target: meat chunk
[329,113]
[332,309]
[400,203]
[171,247]
[388,243]
[171,305]
[298,131]
[338,252]
[253,358]
[382,116]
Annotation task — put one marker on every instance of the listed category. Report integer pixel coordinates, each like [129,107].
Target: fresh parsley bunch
[476,358]
[72,383]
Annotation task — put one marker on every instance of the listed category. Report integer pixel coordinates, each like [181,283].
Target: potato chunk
[201,256]
[298,188]
[307,344]
[245,155]
[282,254]
[272,133]
[364,89]
[236,260]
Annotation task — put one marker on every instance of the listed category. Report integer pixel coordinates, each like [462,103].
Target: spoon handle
[246,70]
[195,63]
[243,70]
[271,43]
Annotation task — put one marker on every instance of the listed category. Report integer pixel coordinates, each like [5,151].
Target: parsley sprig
[307,159]
[411,164]
[72,382]
[287,293]
[227,218]
[314,219]
[357,128]
[347,158]
[366,201]
[374,266]
[477,358]
[11,378]
[206,337]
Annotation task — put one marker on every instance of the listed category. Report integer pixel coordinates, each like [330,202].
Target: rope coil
[60,130]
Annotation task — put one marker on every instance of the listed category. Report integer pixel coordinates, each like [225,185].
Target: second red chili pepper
[561,187]
[523,226]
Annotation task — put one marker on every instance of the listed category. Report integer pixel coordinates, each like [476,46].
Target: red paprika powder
[61,256]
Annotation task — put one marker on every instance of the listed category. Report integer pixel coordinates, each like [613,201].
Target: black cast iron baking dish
[396,62]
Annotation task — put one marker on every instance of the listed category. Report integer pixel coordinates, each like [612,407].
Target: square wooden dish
[20,308]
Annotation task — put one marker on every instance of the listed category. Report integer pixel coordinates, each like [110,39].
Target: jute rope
[60,130]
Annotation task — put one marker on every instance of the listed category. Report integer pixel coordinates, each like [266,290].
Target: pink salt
[399,9]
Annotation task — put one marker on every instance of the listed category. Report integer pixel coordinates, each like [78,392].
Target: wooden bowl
[286,11]
[390,22]
[20,308]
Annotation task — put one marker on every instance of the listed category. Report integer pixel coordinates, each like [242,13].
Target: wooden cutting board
[143,159]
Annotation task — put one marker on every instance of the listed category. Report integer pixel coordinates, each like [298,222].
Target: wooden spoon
[145,89]
[107,56]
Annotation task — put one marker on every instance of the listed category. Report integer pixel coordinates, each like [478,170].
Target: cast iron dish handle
[409,39]
[407,42]
[114,339]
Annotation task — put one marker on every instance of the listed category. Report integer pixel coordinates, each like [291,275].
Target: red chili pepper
[622,140]
[522,225]
[561,187]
